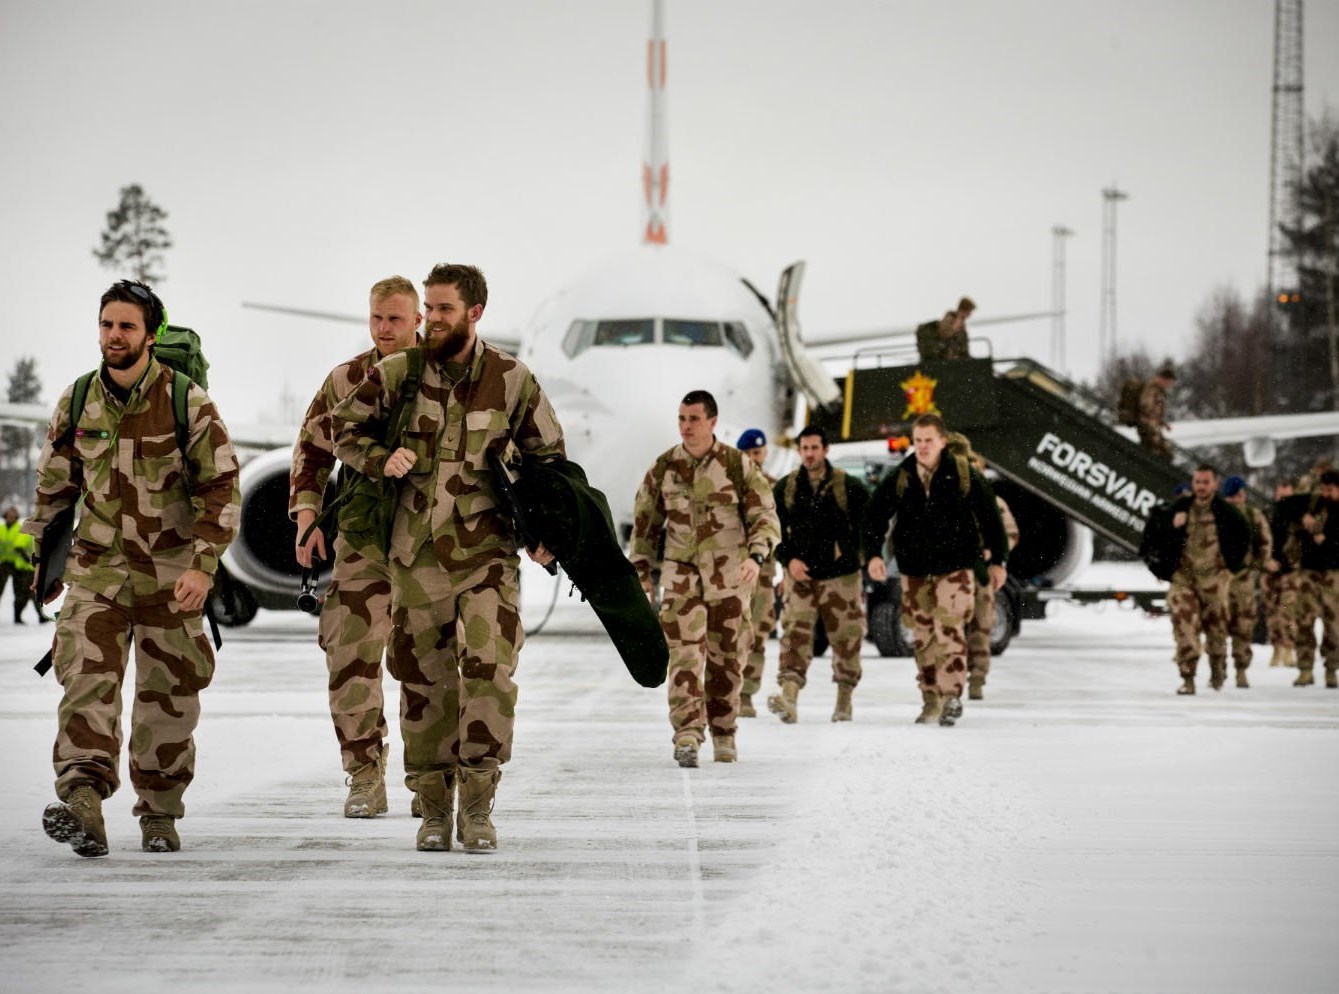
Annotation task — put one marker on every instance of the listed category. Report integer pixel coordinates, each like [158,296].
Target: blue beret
[751,439]
[1233,485]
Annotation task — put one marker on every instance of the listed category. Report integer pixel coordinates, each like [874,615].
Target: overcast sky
[910,152]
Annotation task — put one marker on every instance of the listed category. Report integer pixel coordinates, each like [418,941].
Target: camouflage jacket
[314,451]
[1208,547]
[449,497]
[689,516]
[933,345]
[1262,538]
[1153,405]
[138,521]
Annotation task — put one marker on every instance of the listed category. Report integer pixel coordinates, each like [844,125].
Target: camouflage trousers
[1242,609]
[1152,438]
[1198,603]
[938,610]
[1318,598]
[355,624]
[762,618]
[978,633]
[839,603]
[1278,595]
[454,648]
[705,640]
[174,661]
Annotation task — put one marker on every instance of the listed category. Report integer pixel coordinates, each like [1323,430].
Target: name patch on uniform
[81,433]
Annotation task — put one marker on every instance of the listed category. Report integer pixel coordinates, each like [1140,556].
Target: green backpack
[364,507]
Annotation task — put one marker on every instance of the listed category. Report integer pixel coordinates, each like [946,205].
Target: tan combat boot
[685,752]
[932,707]
[1305,678]
[842,711]
[1217,673]
[78,821]
[1187,686]
[746,708]
[1280,654]
[976,685]
[367,790]
[786,705]
[1331,679]
[1291,658]
[723,749]
[436,799]
[158,833]
[951,712]
[474,826]
[1241,679]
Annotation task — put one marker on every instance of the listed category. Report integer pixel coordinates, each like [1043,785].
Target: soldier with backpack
[1151,422]
[1315,518]
[704,522]
[821,509]
[148,460]
[356,616]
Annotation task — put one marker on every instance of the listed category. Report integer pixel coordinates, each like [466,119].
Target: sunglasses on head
[149,297]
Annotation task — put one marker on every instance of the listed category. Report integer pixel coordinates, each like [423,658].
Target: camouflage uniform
[1197,598]
[1278,594]
[708,529]
[356,616]
[762,619]
[1242,603]
[934,346]
[454,585]
[983,609]
[145,518]
[1317,586]
[1153,418]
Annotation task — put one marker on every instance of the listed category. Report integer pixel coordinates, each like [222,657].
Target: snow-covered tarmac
[1083,829]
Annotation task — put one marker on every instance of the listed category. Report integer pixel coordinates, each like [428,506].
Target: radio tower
[1285,180]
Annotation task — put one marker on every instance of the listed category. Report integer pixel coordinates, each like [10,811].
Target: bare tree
[135,238]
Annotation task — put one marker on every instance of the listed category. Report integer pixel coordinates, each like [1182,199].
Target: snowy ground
[1083,829]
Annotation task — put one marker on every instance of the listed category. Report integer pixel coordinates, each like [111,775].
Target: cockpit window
[582,335]
[640,331]
[737,337]
[678,332]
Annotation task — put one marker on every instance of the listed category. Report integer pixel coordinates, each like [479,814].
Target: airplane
[616,351]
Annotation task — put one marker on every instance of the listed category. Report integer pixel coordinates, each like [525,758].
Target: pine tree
[24,388]
[135,238]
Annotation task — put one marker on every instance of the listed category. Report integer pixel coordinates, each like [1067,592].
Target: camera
[307,599]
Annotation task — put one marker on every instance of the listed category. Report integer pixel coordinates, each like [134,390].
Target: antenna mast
[1285,181]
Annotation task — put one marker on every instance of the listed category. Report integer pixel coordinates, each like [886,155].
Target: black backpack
[1127,408]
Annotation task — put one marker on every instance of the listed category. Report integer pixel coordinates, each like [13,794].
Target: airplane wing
[507,341]
[1257,434]
[825,342]
[250,436]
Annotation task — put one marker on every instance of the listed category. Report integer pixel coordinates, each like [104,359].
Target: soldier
[705,521]
[983,609]
[945,514]
[762,606]
[153,522]
[454,589]
[16,555]
[1317,514]
[822,512]
[947,337]
[1208,540]
[1278,588]
[1153,411]
[356,615]
[1241,597]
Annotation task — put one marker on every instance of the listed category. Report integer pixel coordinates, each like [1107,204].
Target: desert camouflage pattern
[454,648]
[705,638]
[456,628]
[840,603]
[1152,419]
[1242,599]
[139,527]
[761,623]
[1318,600]
[1197,598]
[1278,597]
[462,411]
[314,450]
[354,627]
[938,610]
[708,528]
[983,613]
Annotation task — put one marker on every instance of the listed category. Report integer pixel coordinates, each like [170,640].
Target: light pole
[1058,235]
[1106,335]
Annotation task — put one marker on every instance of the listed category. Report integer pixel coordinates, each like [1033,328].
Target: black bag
[1127,407]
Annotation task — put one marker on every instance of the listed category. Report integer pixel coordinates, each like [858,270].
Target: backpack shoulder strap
[734,465]
[77,400]
[900,485]
[408,391]
[788,492]
[964,474]
[181,399]
[839,488]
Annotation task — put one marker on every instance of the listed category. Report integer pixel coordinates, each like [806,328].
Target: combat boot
[976,687]
[474,824]
[1217,673]
[367,790]
[786,705]
[1304,679]
[842,712]
[436,800]
[1331,679]
[1187,686]
[746,708]
[932,707]
[1242,682]
[78,821]
[685,752]
[158,833]
[723,749]
[952,711]
[1291,659]
[1280,654]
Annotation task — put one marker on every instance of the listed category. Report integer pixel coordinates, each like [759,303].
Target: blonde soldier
[983,611]
[762,606]
[1241,595]
[1317,516]
[1152,424]
[822,513]
[153,522]
[711,512]
[356,616]
[1278,588]
[454,588]
[944,512]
